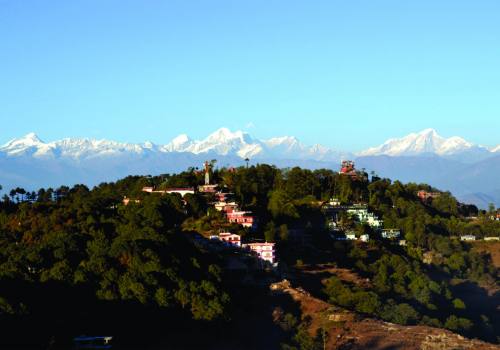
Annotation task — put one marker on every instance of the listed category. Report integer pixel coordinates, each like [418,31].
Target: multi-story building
[362,215]
[243,218]
[230,239]
[226,207]
[265,251]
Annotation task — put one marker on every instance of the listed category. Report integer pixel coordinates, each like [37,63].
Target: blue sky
[347,74]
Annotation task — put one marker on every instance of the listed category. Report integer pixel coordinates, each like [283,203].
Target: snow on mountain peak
[240,144]
[28,140]
[28,144]
[429,132]
[178,144]
[181,139]
[224,135]
[32,138]
[425,141]
[283,140]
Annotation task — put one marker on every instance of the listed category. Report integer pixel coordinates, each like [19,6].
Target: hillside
[177,255]
[347,330]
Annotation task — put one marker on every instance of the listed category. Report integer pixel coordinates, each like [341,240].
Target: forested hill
[79,261]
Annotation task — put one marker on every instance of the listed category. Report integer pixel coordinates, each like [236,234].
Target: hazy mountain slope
[477,183]
[426,168]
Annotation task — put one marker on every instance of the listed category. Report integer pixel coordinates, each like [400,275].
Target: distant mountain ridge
[221,142]
[429,141]
[448,163]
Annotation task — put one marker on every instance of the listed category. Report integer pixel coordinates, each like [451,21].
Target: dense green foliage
[135,252]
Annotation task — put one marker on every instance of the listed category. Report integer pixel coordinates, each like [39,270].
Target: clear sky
[347,74]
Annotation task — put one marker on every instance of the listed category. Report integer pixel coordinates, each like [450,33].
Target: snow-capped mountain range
[222,142]
[226,143]
[448,163]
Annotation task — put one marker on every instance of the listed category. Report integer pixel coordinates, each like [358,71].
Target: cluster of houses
[333,211]
[263,250]
[495,216]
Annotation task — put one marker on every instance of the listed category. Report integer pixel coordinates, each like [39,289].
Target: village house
[468,238]
[126,200]
[362,215]
[492,238]
[364,238]
[230,239]
[226,207]
[351,236]
[334,202]
[242,218]
[208,188]
[265,251]
[347,168]
[182,191]
[222,196]
[426,196]
[390,233]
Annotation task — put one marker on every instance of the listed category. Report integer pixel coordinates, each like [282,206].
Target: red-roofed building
[226,207]
[242,218]
[426,196]
[222,196]
[347,168]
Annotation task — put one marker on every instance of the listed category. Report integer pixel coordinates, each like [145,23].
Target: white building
[390,233]
[226,206]
[361,214]
[182,191]
[265,251]
[334,202]
[351,236]
[230,239]
[468,238]
[364,238]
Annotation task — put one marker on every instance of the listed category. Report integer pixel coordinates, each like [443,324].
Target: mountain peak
[429,131]
[224,134]
[30,139]
[181,139]
[425,141]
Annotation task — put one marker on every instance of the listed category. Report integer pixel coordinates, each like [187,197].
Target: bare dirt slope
[493,248]
[346,330]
